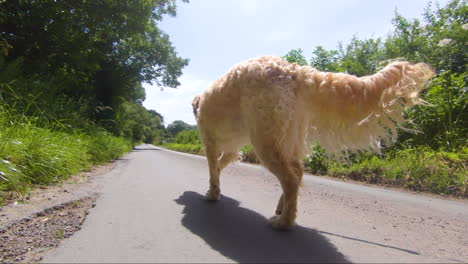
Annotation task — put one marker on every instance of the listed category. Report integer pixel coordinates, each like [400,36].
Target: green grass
[415,169]
[41,153]
[189,148]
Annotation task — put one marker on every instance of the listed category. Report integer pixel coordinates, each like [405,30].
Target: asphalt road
[151,209]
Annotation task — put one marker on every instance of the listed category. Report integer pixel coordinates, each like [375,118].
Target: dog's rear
[278,106]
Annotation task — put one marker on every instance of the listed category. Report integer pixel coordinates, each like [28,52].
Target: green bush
[316,160]
[188,137]
[248,154]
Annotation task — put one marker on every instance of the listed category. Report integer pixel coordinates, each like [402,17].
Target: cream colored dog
[279,107]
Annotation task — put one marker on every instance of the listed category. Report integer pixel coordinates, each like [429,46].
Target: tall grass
[102,146]
[34,151]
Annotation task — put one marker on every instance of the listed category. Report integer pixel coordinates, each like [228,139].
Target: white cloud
[175,104]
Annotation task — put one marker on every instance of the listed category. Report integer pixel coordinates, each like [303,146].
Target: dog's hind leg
[289,172]
[280,206]
[212,154]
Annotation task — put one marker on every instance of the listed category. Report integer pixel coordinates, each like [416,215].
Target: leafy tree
[92,36]
[408,40]
[101,50]
[79,60]
[361,57]
[296,56]
[136,122]
[325,60]
[439,40]
[177,126]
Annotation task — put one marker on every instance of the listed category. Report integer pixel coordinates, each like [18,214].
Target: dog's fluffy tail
[196,105]
[351,113]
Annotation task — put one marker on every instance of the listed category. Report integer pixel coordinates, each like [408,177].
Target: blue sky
[216,34]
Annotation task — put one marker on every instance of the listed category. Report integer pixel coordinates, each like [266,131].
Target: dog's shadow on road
[245,236]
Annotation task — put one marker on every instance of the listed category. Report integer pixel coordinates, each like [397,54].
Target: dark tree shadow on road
[245,236]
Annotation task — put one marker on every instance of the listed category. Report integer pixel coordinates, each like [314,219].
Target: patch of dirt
[39,221]
[42,197]
[25,240]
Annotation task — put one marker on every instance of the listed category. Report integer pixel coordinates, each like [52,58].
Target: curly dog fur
[280,107]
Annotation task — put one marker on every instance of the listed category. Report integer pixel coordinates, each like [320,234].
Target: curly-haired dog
[279,107]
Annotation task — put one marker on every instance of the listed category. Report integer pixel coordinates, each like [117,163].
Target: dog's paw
[213,195]
[278,223]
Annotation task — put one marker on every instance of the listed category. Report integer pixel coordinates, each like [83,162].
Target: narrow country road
[151,209]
